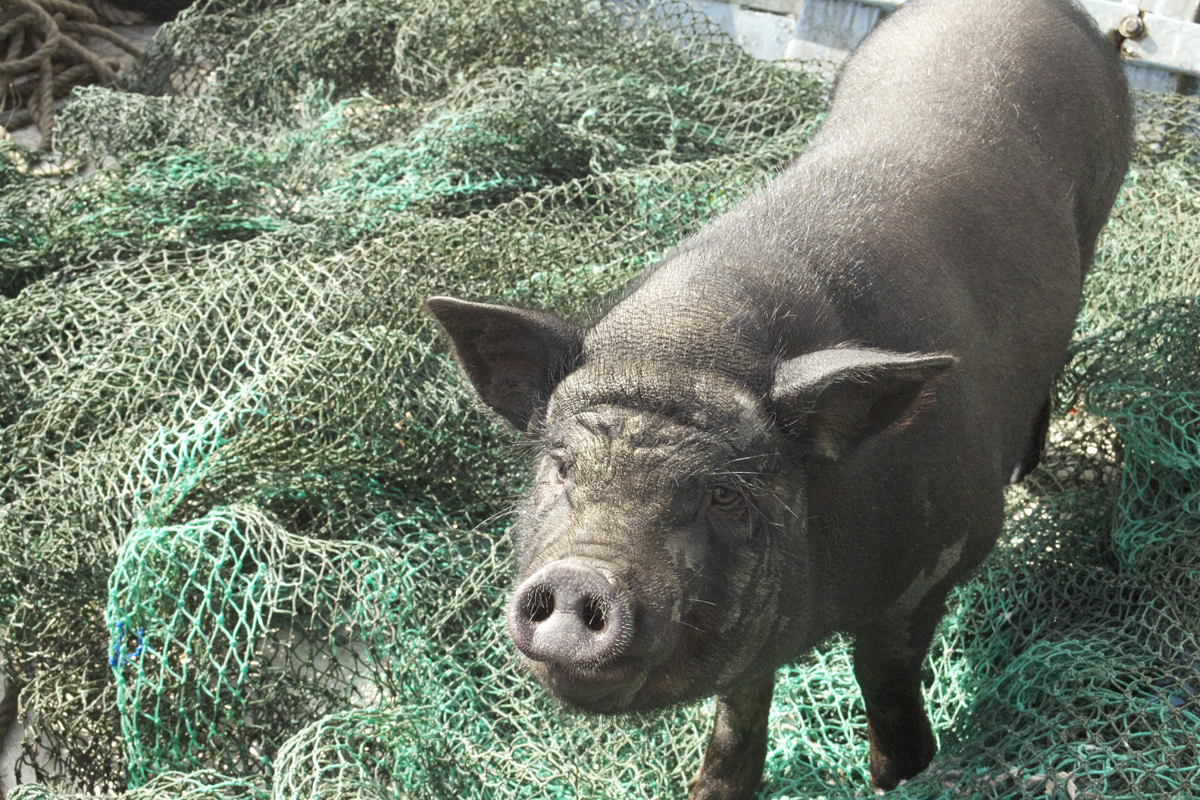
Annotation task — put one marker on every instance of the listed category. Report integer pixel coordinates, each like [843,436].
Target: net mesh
[256,531]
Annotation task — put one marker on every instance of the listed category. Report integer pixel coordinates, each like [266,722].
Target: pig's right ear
[835,399]
[514,357]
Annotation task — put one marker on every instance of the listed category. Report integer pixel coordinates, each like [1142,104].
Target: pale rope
[58,31]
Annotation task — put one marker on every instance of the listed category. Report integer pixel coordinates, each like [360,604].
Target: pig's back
[948,204]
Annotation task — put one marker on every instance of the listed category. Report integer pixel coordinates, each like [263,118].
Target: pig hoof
[703,787]
[890,768]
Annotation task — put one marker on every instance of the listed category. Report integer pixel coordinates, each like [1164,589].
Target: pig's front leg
[733,762]
[887,666]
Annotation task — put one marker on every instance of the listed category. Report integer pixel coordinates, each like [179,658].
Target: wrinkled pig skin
[801,421]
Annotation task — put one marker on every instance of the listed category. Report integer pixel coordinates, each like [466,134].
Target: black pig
[803,419]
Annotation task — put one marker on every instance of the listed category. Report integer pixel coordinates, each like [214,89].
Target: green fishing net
[255,528]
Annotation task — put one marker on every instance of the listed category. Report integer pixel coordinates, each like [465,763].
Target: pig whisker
[494,517]
[740,473]
[785,506]
[752,456]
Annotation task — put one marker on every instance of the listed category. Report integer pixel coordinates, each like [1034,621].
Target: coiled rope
[45,55]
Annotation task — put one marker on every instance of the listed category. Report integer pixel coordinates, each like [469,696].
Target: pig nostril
[569,615]
[541,605]
[595,615]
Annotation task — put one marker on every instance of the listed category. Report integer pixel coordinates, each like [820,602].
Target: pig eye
[727,498]
[560,467]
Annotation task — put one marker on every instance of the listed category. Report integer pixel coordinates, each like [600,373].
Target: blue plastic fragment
[119,660]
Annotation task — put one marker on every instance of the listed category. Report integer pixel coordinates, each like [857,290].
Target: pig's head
[662,552]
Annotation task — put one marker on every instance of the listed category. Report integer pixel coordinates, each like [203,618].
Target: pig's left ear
[838,397]
[513,356]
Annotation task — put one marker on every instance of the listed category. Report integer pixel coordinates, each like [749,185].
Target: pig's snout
[568,615]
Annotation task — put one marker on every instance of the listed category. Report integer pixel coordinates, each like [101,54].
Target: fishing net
[255,528]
